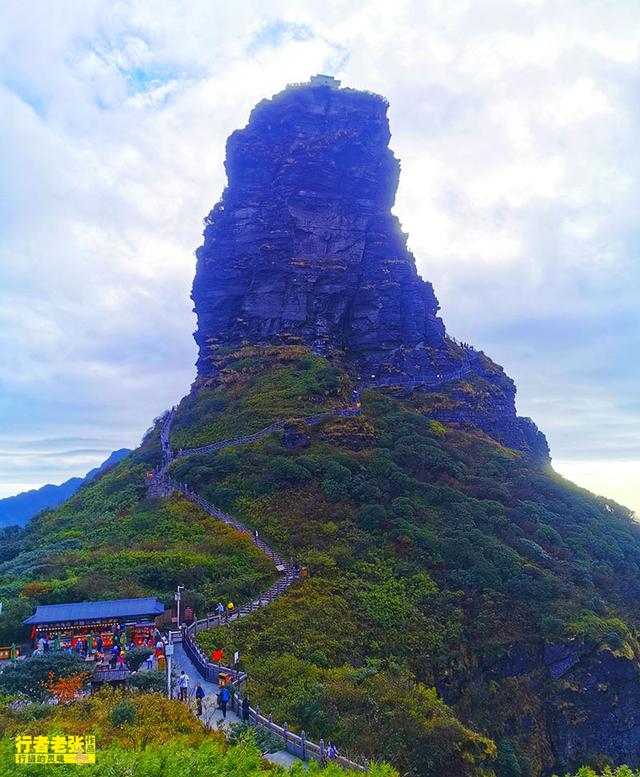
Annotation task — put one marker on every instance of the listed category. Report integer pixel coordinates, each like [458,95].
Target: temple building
[65,624]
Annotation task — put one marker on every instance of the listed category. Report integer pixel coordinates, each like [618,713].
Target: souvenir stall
[61,626]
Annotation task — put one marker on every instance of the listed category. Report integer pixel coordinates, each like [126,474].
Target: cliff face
[303,247]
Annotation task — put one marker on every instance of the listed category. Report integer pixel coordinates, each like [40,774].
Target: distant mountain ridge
[20,508]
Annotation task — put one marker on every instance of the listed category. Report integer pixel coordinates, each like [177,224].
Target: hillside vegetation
[142,735]
[110,541]
[445,569]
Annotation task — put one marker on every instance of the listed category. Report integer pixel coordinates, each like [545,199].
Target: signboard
[236,658]
[168,649]
[55,749]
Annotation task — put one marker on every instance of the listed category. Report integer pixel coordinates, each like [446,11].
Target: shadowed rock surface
[303,247]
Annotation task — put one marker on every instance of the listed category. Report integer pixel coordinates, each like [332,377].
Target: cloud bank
[516,124]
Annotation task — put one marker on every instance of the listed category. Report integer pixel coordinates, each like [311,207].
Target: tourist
[41,643]
[223,699]
[230,609]
[149,662]
[199,698]
[255,534]
[220,609]
[99,644]
[246,710]
[332,751]
[183,685]
[121,662]
[115,652]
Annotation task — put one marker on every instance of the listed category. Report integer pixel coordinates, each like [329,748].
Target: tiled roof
[86,611]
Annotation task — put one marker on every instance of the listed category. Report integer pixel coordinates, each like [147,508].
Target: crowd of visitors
[92,647]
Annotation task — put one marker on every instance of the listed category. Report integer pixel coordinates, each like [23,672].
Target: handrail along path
[163,485]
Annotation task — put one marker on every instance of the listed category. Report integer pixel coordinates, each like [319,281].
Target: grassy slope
[110,541]
[431,549]
[161,738]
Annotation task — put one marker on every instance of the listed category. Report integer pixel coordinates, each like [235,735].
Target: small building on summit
[323,80]
[70,622]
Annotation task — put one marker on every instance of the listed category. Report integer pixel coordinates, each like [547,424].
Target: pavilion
[78,620]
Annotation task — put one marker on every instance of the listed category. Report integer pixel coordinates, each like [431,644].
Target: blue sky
[516,124]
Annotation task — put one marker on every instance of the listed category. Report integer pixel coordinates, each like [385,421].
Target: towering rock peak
[303,247]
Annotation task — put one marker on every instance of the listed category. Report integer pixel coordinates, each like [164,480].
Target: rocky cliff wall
[303,247]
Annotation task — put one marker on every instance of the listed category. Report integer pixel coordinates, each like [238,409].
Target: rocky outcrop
[595,705]
[303,248]
[576,700]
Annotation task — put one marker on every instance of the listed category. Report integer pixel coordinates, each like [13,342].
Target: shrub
[283,473]
[372,516]
[123,712]
[14,611]
[149,682]
[34,676]
[136,657]
[263,739]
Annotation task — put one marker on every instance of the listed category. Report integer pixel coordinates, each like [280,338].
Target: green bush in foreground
[136,657]
[33,676]
[177,759]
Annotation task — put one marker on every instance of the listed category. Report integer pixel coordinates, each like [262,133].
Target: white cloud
[516,126]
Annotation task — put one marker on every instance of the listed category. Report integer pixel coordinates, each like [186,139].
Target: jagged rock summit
[303,248]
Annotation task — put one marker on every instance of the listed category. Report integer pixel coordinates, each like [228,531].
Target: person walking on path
[183,685]
[246,710]
[149,662]
[223,700]
[199,698]
[332,751]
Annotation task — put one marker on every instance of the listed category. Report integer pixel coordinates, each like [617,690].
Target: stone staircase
[164,486]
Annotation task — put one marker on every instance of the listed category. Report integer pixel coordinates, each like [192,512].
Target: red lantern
[217,655]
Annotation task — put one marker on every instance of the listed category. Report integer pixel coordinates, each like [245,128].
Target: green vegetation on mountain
[142,735]
[110,541]
[445,569]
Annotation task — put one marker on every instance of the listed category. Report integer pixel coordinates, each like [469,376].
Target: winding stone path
[187,653]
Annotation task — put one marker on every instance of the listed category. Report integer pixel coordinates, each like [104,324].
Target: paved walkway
[211,715]
[162,485]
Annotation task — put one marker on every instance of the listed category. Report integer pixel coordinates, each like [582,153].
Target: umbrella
[13,651]
[56,642]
